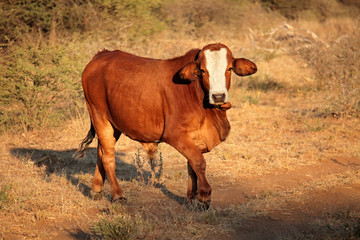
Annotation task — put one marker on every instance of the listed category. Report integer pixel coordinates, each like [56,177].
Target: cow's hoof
[203,206]
[96,195]
[120,200]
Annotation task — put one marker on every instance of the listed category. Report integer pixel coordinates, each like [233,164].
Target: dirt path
[284,180]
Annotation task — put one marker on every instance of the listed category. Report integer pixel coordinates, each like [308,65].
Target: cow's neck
[212,114]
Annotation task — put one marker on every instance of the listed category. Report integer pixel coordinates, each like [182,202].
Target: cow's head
[213,68]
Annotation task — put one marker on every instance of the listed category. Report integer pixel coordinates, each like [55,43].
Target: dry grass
[288,170]
[279,158]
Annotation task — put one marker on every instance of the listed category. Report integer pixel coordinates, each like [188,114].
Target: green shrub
[5,196]
[137,18]
[289,8]
[203,17]
[43,17]
[314,9]
[39,82]
[142,16]
[121,227]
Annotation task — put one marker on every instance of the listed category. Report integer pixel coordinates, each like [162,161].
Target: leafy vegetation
[5,196]
[39,82]
[51,18]
[22,17]
[319,9]
[120,227]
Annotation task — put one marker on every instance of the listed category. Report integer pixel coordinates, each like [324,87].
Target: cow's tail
[85,143]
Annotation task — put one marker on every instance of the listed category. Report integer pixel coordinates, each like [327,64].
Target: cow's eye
[202,70]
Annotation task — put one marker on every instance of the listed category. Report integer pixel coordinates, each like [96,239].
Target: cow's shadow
[64,164]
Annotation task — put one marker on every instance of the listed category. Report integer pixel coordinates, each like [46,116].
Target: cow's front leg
[192,184]
[204,189]
[198,165]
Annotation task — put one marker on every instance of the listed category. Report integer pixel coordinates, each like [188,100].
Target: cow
[180,101]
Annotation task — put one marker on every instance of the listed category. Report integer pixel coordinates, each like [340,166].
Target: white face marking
[216,64]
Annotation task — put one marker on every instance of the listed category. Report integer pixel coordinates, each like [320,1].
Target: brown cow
[180,101]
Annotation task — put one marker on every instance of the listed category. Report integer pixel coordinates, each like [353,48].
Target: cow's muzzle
[218,98]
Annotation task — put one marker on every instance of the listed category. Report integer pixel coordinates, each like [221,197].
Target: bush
[39,84]
[50,17]
[121,227]
[203,17]
[43,17]
[316,9]
[337,70]
[5,196]
[143,16]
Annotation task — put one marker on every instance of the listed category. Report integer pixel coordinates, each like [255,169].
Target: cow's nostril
[218,97]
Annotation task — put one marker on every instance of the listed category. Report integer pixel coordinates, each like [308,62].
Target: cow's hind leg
[99,176]
[100,173]
[108,136]
[151,149]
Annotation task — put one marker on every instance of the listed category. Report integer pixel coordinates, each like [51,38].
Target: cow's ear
[243,67]
[190,71]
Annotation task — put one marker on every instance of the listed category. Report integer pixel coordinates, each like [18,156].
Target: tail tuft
[80,153]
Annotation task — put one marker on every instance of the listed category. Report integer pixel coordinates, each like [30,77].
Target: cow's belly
[140,122]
